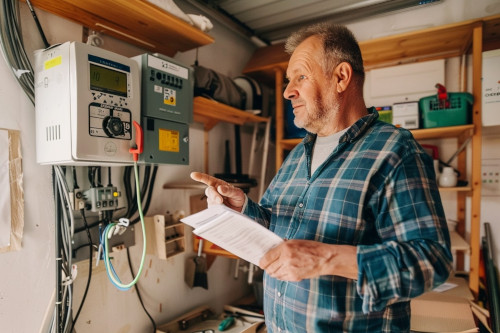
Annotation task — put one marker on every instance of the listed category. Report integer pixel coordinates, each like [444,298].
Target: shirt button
[279,329]
[301,205]
[279,294]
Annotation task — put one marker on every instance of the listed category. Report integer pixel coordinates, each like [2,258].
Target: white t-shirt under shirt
[323,147]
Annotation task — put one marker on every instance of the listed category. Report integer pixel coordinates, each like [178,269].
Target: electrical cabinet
[269,66]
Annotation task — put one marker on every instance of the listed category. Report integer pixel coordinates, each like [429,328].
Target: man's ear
[343,75]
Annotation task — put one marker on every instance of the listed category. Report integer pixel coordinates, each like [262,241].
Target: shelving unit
[210,113]
[473,36]
[137,22]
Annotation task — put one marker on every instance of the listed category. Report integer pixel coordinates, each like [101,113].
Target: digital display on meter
[108,80]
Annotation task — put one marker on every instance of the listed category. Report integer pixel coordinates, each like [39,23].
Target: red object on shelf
[442,94]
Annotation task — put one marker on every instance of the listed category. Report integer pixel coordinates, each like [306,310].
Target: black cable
[138,293]
[109,177]
[75,182]
[98,173]
[40,30]
[90,270]
[145,185]
[128,189]
[89,176]
[144,188]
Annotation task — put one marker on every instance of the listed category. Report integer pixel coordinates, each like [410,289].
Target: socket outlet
[490,177]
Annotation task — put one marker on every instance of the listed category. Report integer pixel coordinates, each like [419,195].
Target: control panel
[166,109]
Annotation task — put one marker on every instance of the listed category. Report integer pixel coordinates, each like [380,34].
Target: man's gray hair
[339,45]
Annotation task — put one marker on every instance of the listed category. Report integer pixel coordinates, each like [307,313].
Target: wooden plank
[437,42]
[207,110]
[477,63]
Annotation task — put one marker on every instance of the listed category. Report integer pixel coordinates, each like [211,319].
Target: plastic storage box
[436,113]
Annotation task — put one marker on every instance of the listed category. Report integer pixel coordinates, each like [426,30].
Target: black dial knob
[113,126]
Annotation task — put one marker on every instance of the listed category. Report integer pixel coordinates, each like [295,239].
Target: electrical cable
[145,185]
[138,293]
[75,182]
[110,229]
[89,278]
[128,190]
[65,222]
[63,256]
[56,324]
[39,27]
[149,194]
[109,177]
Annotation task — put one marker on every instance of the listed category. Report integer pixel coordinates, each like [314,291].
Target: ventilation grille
[53,133]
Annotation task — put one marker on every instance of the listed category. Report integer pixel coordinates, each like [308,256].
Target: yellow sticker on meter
[169,96]
[168,140]
[52,62]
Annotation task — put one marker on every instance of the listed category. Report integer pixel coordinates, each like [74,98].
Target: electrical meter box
[166,109]
[85,101]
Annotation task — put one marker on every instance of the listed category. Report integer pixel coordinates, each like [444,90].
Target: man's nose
[289,92]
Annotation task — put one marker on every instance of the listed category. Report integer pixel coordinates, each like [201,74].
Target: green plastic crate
[434,114]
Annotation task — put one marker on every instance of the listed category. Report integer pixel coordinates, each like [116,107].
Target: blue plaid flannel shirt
[376,191]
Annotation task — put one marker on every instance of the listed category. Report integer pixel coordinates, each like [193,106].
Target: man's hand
[219,191]
[297,259]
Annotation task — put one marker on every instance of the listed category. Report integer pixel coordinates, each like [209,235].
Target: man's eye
[301,77]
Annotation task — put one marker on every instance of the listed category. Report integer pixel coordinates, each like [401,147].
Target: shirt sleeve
[414,253]
[258,213]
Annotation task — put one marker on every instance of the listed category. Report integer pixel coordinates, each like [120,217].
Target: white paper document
[234,232]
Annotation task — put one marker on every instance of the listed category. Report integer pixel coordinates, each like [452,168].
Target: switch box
[101,198]
[490,177]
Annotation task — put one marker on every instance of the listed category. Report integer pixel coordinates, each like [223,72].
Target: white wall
[27,279]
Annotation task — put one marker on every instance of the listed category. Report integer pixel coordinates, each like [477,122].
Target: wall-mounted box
[491,88]
[405,115]
[165,238]
[410,82]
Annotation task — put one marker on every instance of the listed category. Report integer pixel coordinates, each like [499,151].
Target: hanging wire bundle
[13,49]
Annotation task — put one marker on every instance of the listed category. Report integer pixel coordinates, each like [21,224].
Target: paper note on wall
[5,213]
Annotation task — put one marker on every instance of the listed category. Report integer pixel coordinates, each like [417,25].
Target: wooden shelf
[458,243]
[419,134]
[137,22]
[428,44]
[444,132]
[456,189]
[210,113]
